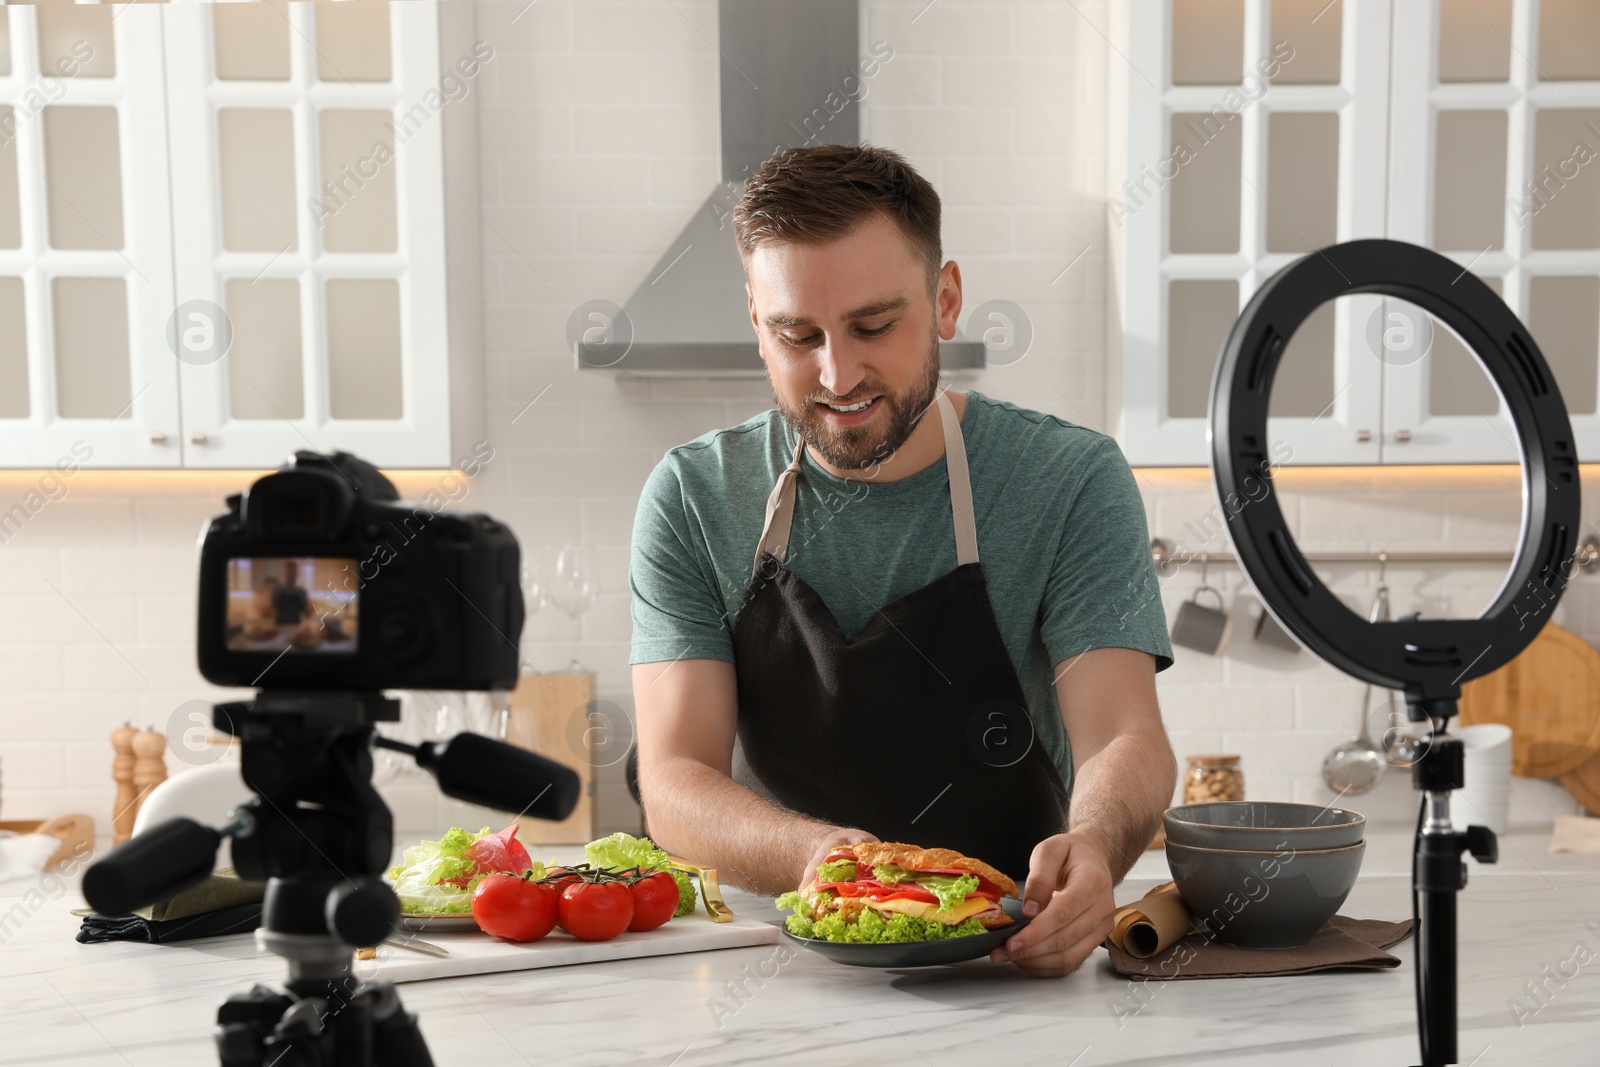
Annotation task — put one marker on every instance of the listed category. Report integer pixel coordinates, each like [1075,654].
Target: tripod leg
[396,1038]
[243,1022]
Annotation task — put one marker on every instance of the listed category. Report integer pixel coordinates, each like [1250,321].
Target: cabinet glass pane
[1302,209]
[1564,318]
[1303,386]
[1564,203]
[1200,312]
[1205,190]
[1469,181]
[1312,29]
[353,41]
[5,42]
[13,351]
[265,377]
[91,347]
[10,206]
[1207,42]
[1474,40]
[75,40]
[357,207]
[252,41]
[1457,383]
[1569,40]
[255,147]
[364,378]
[83,164]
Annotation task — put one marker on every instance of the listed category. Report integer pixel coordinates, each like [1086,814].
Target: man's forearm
[1119,793]
[701,814]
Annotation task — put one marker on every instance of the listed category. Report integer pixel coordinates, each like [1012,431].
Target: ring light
[1427,658]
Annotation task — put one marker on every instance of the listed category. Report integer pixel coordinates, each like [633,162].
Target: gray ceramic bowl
[1264,899]
[1263,825]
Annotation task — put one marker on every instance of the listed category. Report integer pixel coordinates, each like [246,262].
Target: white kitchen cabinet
[85,243]
[316,281]
[1495,161]
[1444,113]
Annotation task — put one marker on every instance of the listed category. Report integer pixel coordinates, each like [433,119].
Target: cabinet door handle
[198,438]
[1363,436]
[1402,436]
[157,437]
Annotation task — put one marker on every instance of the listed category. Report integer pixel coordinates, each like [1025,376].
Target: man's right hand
[825,843]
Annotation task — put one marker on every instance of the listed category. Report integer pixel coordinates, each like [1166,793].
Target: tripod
[1437,875]
[320,836]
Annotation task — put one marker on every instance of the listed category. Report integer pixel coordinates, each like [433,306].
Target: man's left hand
[1069,896]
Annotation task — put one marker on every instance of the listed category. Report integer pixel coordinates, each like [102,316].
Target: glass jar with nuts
[1213,778]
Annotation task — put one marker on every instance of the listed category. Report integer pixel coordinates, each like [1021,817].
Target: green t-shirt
[1061,536]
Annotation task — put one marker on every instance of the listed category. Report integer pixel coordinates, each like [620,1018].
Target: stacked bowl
[1263,874]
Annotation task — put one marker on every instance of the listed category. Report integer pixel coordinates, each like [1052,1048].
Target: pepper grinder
[122,811]
[149,765]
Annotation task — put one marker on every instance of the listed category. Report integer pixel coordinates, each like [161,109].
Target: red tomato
[515,908]
[654,900]
[596,911]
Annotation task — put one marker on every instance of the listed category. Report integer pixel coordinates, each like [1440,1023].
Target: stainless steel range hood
[784,66]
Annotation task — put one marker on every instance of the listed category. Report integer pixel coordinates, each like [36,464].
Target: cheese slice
[929,909]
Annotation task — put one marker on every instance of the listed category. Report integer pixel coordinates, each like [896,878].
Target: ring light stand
[1426,658]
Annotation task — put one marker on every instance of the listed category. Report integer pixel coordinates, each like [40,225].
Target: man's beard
[858,447]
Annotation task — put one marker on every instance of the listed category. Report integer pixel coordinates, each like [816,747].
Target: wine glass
[535,595]
[575,589]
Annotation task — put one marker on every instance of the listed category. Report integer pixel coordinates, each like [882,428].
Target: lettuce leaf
[949,889]
[837,871]
[621,851]
[889,873]
[416,880]
[871,928]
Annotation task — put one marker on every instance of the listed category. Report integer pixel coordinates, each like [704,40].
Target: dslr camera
[318,578]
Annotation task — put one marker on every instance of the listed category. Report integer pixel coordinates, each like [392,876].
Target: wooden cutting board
[1584,784]
[1550,697]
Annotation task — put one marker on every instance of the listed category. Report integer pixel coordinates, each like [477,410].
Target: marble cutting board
[478,953]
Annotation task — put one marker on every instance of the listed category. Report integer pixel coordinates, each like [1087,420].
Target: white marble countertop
[117,1003]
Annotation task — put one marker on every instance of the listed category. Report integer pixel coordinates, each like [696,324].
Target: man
[880,677]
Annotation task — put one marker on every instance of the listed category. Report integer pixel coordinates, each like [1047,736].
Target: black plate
[919,953]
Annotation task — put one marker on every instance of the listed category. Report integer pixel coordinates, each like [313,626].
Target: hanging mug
[1270,633]
[1200,627]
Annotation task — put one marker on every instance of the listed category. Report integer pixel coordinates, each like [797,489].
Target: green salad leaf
[870,928]
[891,873]
[837,871]
[621,851]
[416,880]
[949,889]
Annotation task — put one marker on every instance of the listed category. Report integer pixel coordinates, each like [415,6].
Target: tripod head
[308,757]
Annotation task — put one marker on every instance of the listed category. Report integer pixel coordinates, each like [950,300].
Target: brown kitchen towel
[1341,943]
[1150,924]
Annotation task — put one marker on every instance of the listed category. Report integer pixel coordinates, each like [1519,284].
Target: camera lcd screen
[297,604]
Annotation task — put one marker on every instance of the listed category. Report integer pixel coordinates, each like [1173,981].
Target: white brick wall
[598,138]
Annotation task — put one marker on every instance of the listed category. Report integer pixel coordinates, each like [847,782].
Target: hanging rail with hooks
[1167,556]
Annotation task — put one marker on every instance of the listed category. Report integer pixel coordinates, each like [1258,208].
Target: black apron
[915,730]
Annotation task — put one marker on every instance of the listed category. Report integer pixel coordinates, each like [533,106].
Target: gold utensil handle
[710,891]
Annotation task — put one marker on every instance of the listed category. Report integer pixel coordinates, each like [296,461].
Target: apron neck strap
[780,504]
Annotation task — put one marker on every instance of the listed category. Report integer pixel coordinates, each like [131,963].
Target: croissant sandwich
[877,891]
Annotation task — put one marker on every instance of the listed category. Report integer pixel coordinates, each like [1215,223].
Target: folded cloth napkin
[1575,833]
[222,904]
[1341,943]
[240,919]
[1149,925]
